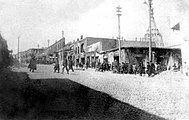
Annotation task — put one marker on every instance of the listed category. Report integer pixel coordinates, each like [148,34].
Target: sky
[37,21]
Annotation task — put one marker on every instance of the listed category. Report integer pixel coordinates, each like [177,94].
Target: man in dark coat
[65,65]
[70,64]
[87,64]
[56,66]
[153,71]
[98,64]
[149,70]
[141,68]
[32,65]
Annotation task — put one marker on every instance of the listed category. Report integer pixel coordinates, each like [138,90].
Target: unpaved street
[165,95]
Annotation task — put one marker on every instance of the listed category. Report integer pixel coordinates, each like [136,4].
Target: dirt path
[165,95]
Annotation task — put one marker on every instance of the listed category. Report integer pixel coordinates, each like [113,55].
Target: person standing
[130,68]
[65,64]
[141,68]
[32,65]
[87,64]
[122,68]
[70,64]
[56,66]
[149,70]
[115,66]
[134,69]
[153,71]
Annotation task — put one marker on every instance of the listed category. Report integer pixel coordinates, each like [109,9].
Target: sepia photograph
[94,60]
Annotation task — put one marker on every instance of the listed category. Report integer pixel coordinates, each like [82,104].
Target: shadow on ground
[64,99]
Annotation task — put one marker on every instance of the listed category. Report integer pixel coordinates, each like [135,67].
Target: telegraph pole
[119,31]
[149,4]
[150,30]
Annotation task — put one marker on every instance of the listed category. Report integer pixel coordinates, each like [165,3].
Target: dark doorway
[139,60]
[83,60]
[116,58]
[77,62]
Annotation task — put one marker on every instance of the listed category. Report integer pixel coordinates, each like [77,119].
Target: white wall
[185,56]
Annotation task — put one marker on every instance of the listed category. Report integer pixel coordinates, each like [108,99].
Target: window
[75,50]
[82,47]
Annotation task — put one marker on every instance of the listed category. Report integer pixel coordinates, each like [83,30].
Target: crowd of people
[150,69]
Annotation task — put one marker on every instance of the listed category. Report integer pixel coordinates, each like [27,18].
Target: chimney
[81,37]
[62,34]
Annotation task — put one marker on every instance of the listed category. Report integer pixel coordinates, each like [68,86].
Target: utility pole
[149,4]
[150,30]
[119,31]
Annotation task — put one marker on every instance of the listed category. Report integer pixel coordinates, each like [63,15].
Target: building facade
[134,52]
[54,52]
[25,56]
[88,49]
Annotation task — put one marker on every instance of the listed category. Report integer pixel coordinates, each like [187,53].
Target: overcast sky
[37,21]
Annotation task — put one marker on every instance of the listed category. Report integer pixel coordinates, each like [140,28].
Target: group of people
[140,69]
[104,66]
[126,68]
[151,69]
[66,64]
[81,66]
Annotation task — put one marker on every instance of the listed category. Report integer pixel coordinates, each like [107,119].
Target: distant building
[25,56]
[88,49]
[43,55]
[69,50]
[93,49]
[53,52]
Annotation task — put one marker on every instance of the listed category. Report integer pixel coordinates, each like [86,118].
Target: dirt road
[165,95]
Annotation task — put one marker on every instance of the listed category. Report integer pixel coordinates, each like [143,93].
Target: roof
[135,43]
[56,42]
[138,44]
[36,49]
[101,38]
[175,46]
